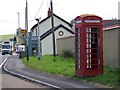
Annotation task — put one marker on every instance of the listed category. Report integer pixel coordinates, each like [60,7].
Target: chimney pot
[49,12]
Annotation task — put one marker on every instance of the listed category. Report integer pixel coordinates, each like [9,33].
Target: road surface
[8,81]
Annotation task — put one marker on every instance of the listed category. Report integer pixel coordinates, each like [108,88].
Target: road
[8,81]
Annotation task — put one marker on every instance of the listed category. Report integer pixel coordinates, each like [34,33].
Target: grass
[10,36]
[66,67]
[109,78]
[57,65]
[6,37]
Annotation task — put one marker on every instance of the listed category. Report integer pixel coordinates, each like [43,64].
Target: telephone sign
[92,21]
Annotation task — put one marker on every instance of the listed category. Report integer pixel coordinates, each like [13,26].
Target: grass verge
[6,37]
[66,67]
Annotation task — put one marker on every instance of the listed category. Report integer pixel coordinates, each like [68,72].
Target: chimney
[49,12]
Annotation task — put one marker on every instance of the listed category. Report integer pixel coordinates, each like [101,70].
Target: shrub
[67,53]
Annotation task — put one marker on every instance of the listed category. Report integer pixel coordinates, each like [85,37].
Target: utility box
[88,45]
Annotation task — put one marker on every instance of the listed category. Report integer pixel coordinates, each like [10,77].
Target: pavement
[17,83]
[14,64]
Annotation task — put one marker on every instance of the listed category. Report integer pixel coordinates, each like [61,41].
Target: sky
[66,9]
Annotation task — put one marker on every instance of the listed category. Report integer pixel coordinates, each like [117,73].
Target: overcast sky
[66,9]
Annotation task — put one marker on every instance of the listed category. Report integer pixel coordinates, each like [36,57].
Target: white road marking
[3,62]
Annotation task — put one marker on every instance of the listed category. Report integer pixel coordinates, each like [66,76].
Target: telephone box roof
[86,15]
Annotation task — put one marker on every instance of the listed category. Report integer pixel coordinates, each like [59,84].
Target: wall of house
[45,26]
[47,44]
[110,47]
[66,43]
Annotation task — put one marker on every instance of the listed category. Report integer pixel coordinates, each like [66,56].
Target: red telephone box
[88,45]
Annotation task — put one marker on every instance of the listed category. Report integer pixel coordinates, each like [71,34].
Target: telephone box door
[93,47]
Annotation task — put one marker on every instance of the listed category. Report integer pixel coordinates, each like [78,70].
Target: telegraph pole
[18,27]
[26,27]
[18,20]
[52,22]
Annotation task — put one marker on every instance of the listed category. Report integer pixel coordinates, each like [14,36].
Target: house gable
[57,27]
[46,38]
[57,20]
[60,25]
[63,20]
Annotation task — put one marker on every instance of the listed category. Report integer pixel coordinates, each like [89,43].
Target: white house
[62,29]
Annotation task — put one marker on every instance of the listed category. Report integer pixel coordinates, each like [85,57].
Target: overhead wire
[38,11]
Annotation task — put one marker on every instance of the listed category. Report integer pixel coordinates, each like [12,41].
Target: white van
[20,48]
[6,48]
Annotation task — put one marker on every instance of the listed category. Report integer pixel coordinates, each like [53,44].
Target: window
[61,33]
[5,46]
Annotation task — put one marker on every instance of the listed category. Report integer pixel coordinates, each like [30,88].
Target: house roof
[110,22]
[111,27]
[48,18]
[50,31]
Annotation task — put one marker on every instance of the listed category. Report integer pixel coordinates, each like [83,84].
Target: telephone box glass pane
[78,46]
[77,30]
[92,47]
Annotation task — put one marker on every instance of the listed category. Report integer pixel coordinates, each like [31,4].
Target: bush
[67,53]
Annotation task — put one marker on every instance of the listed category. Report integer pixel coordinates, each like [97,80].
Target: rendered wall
[110,47]
[65,44]
[119,47]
